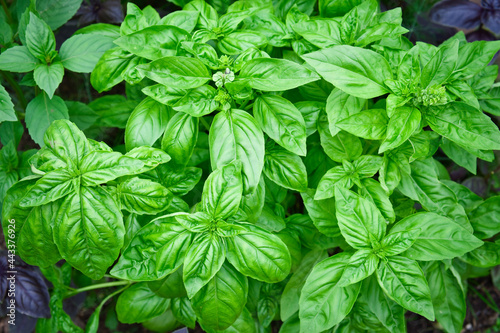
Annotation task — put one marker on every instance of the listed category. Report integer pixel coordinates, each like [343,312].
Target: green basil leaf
[203,260]
[48,77]
[459,155]
[180,137]
[468,199]
[275,74]
[484,219]
[340,106]
[183,311]
[52,186]
[7,112]
[81,53]
[239,41]
[322,212]
[143,196]
[40,39]
[402,280]
[334,177]
[253,203]
[259,255]
[376,303]
[208,15]
[177,181]
[448,297]
[282,121]
[41,112]
[475,56]
[310,111]
[138,303]
[361,265]
[441,65]
[222,191]
[220,302]
[464,125]
[358,72]
[198,102]
[156,250]
[35,238]
[154,42]
[185,20]
[18,59]
[146,124]
[181,72]
[359,220]
[235,135]
[334,8]
[321,293]
[57,12]
[285,169]
[402,124]
[423,185]
[69,151]
[341,146]
[81,114]
[323,33]
[108,71]
[151,157]
[170,286]
[291,294]
[373,191]
[244,323]
[137,19]
[485,256]
[100,167]
[369,124]
[113,110]
[439,238]
[91,216]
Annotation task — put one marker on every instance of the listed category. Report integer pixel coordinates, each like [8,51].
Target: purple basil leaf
[480,34]
[477,185]
[24,324]
[490,4]
[491,20]
[457,13]
[111,12]
[32,296]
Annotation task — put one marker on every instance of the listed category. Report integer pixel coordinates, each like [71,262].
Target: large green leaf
[220,302]
[448,296]
[181,72]
[285,169]
[100,167]
[402,124]
[48,77]
[17,59]
[108,71]
[203,260]
[282,121]
[146,124]
[41,112]
[464,125]
[57,12]
[360,222]
[322,212]
[81,53]
[138,303]
[321,294]
[222,191]
[154,42]
[259,255]
[7,112]
[142,196]
[485,218]
[439,238]
[235,135]
[358,72]
[402,280]
[40,39]
[89,231]
[156,250]
[291,293]
[179,139]
[275,74]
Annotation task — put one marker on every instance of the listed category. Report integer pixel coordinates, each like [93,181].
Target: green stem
[7,12]
[97,286]
[17,88]
[205,123]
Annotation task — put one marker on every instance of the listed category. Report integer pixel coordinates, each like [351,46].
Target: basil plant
[277,171]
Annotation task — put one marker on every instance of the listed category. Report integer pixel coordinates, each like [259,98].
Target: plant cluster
[277,165]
